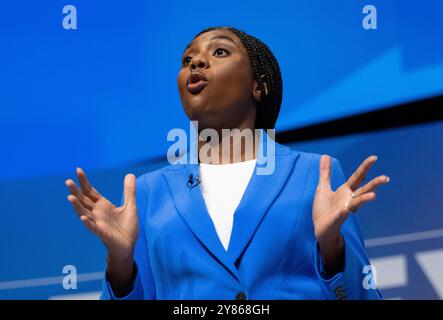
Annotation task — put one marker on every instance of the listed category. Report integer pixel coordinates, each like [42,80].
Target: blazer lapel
[191,206]
[261,191]
[258,197]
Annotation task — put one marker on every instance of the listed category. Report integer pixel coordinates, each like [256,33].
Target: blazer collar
[261,191]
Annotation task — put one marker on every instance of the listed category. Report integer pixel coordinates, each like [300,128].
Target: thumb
[129,189]
[325,172]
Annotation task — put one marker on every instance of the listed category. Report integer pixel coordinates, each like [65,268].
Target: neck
[228,145]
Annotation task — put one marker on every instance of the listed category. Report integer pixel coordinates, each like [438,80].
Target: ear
[256,90]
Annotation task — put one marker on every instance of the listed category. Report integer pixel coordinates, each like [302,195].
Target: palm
[117,227]
[328,210]
[331,208]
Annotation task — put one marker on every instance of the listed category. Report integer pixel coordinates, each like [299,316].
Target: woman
[237,234]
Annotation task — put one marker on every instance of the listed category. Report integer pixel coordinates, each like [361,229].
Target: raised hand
[117,227]
[330,209]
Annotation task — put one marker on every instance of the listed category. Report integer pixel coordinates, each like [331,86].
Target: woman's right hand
[117,227]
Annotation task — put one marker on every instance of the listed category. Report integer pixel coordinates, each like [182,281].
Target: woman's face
[215,82]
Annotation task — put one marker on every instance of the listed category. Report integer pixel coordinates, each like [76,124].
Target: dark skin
[229,98]
[226,102]
[223,60]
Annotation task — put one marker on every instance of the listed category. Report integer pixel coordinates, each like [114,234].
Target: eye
[220,52]
[186,61]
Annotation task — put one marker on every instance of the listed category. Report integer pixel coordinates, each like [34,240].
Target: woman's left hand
[330,209]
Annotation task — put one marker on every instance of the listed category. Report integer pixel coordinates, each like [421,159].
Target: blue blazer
[272,253]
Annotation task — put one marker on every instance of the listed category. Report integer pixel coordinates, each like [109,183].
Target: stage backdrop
[98,90]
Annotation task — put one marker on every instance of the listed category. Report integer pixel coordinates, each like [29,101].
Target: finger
[86,202]
[325,172]
[129,189]
[372,185]
[90,224]
[79,208]
[87,190]
[360,174]
[356,203]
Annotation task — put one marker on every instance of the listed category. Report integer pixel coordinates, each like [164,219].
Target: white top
[222,187]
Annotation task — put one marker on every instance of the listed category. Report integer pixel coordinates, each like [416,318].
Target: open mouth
[196,82]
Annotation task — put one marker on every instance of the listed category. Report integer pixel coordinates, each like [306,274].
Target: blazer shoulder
[311,161]
[310,156]
[150,177]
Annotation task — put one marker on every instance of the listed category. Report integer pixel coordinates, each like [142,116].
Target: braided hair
[266,71]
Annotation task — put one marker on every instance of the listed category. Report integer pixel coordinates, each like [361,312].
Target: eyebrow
[220,36]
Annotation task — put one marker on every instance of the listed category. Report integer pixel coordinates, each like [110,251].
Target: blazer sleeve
[143,287]
[348,284]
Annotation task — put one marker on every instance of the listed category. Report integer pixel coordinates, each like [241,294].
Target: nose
[198,62]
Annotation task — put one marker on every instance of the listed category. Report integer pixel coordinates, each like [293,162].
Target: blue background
[104,97]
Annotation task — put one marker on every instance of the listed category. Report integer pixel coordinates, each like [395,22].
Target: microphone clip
[193,182]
